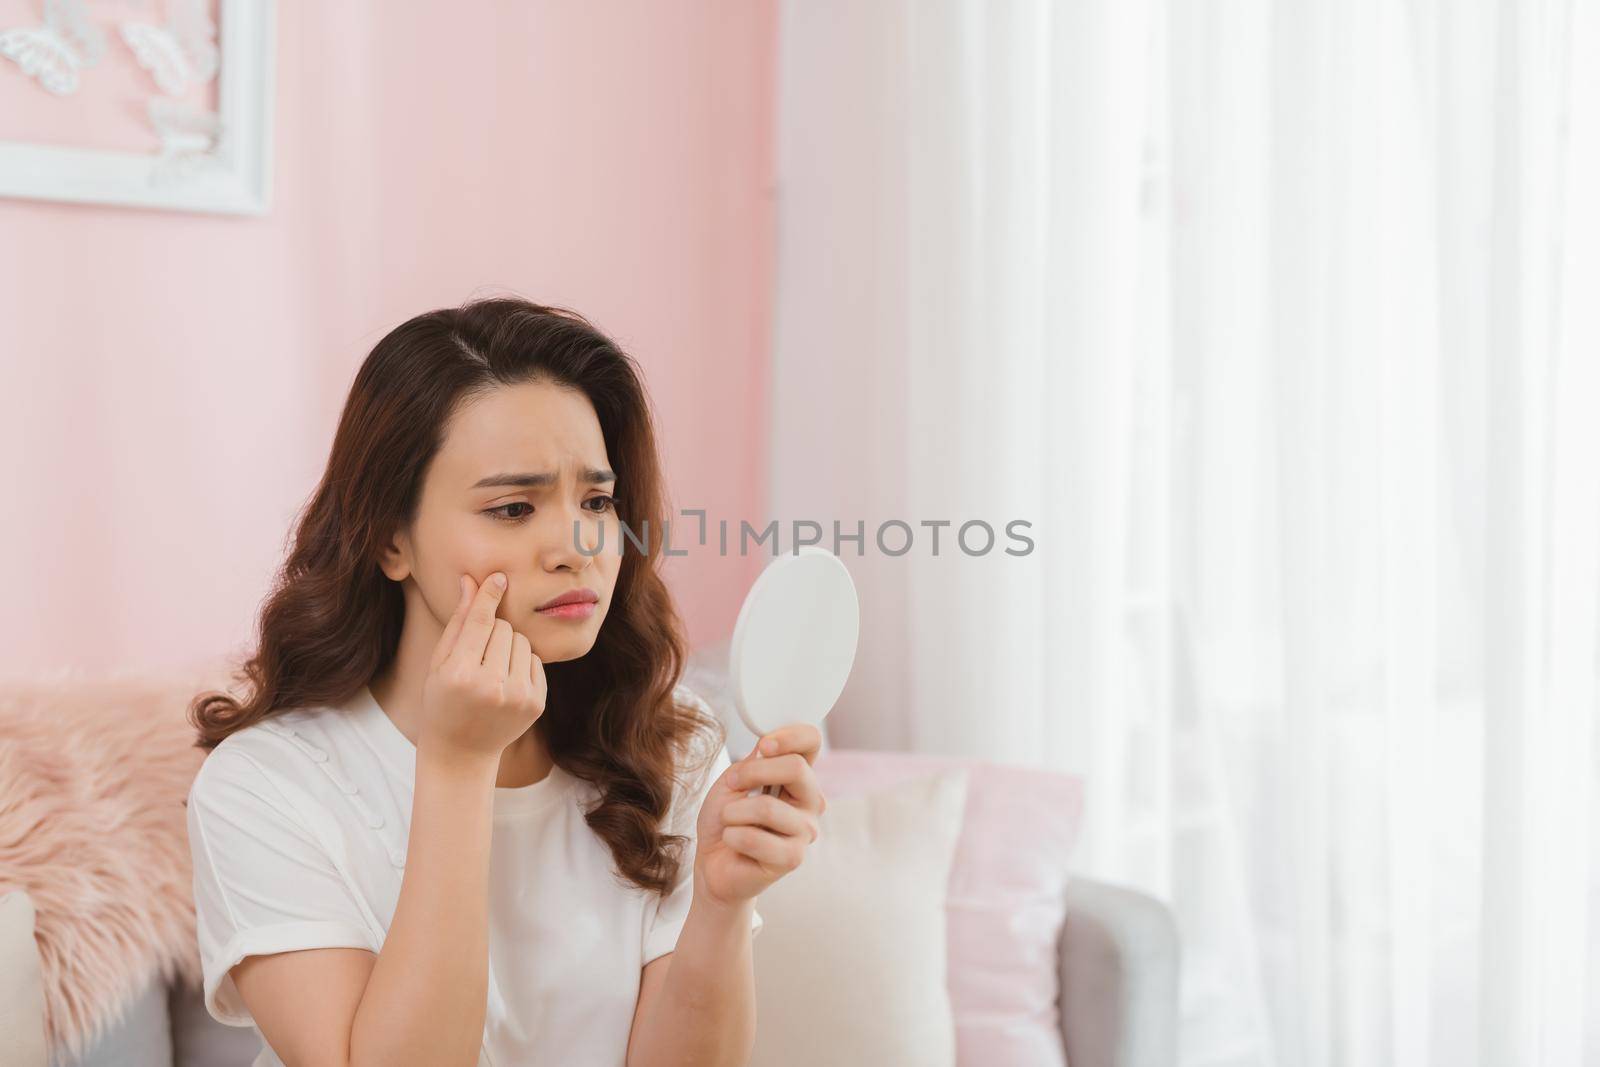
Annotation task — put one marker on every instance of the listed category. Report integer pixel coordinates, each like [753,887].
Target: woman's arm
[422,998]
[428,993]
[704,1010]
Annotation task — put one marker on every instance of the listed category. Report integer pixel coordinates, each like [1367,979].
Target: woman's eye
[607,503]
[496,512]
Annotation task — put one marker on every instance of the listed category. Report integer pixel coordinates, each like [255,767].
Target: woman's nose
[575,541]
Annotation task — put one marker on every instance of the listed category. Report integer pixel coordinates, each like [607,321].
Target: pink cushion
[1007,896]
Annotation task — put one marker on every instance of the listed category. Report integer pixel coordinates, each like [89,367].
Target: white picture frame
[233,176]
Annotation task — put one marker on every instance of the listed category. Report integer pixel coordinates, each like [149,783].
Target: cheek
[477,567]
[481,556]
[610,566]
[462,544]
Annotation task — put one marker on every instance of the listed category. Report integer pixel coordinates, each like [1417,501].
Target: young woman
[466,813]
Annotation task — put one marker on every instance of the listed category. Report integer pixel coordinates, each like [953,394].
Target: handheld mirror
[794,643]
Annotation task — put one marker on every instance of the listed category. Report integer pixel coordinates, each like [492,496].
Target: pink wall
[170,381]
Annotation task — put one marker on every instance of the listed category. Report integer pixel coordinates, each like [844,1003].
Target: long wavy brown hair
[332,619]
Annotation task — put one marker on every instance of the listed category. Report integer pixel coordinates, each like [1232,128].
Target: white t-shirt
[298,826]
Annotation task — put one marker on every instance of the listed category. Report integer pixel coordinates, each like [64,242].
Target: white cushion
[850,966]
[22,1041]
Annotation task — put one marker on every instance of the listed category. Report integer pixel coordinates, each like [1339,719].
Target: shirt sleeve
[673,909]
[263,883]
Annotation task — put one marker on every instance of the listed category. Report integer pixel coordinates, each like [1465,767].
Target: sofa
[1111,1001]
[1118,1006]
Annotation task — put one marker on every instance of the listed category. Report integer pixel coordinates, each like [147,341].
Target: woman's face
[519,469]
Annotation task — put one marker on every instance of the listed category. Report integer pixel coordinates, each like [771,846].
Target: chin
[561,649]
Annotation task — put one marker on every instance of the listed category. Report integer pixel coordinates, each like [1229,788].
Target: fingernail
[499,580]
[769,746]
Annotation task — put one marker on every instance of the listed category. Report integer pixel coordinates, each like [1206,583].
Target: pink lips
[573,604]
[579,610]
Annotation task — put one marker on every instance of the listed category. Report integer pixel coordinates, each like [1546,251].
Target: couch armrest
[1119,961]
[22,1033]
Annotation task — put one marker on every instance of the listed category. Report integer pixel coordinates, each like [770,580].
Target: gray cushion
[1120,958]
[198,1040]
[168,1028]
[141,1037]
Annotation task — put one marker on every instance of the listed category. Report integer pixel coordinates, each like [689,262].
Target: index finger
[465,587]
[479,623]
[802,737]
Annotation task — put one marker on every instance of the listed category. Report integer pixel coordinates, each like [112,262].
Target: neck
[398,691]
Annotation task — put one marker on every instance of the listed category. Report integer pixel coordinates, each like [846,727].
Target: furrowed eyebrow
[541,480]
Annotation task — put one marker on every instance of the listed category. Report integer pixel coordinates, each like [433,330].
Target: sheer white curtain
[1280,323]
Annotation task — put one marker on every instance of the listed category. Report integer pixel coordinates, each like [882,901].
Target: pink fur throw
[94,773]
